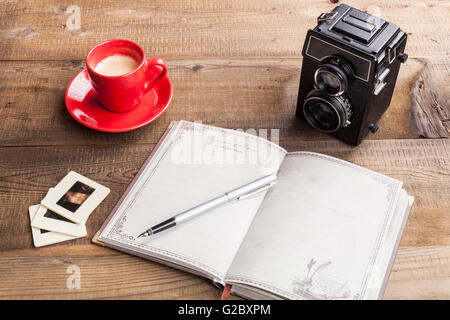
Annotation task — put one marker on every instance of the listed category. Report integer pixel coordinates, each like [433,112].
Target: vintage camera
[350,65]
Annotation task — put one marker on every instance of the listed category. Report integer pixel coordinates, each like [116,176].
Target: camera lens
[333,76]
[323,113]
[329,82]
[327,113]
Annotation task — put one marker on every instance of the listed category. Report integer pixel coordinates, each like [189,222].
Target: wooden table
[234,64]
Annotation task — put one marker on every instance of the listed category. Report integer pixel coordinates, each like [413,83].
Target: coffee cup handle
[150,83]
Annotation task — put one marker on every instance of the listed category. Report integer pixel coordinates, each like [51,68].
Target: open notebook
[327,230]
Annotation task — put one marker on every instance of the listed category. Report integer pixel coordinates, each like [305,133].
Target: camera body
[351,60]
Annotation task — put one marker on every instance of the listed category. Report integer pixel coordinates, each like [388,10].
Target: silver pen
[240,193]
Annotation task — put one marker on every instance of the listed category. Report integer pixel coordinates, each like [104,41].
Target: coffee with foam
[116,65]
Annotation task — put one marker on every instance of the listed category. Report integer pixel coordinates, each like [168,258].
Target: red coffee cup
[123,92]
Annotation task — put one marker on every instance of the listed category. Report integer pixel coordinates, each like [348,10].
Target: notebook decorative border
[393,188]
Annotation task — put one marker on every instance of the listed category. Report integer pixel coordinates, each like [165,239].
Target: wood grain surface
[36,30]
[263,92]
[429,102]
[234,64]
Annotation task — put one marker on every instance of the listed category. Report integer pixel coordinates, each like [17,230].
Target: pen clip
[245,196]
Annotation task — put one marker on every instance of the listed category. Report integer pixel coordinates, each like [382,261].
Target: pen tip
[145,234]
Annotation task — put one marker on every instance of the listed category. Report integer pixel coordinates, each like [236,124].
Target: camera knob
[373,128]
[402,57]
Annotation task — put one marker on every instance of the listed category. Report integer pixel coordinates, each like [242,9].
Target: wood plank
[429,99]
[104,273]
[39,30]
[262,92]
[26,173]
[418,273]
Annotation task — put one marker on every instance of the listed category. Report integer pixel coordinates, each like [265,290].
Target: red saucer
[83,106]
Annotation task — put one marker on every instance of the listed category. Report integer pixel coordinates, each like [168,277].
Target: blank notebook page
[319,231]
[194,164]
